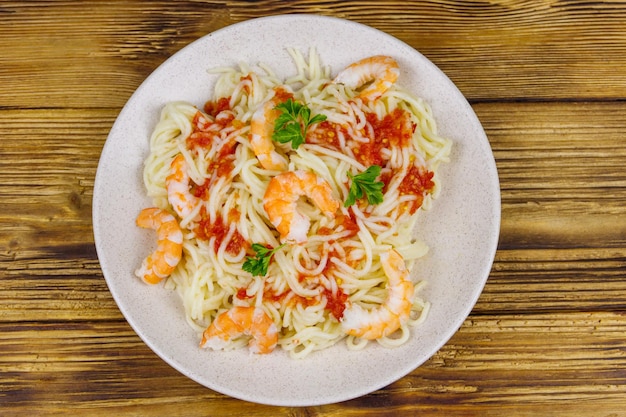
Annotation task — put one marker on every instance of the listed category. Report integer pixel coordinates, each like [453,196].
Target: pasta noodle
[310,284]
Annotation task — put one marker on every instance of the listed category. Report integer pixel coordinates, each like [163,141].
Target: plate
[461,230]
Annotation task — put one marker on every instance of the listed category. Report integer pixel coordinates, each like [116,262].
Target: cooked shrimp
[393,313]
[280,202]
[238,321]
[261,128]
[164,259]
[177,184]
[382,70]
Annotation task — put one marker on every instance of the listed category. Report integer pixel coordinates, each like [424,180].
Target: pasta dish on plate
[285,209]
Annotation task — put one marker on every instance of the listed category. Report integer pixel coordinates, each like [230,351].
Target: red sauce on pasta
[242,294]
[349,222]
[247,82]
[281,95]
[418,182]
[201,191]
[336,303]
[224,162]
[393,130]
[218,229]
[269,294]
[326,134]
[213,108]
[206,133]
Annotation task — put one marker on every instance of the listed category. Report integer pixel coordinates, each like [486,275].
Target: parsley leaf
[259,264]
[365,184]
[293,122]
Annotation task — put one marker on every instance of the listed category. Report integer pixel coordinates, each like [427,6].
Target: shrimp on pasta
[177,184]
[297,201]
[280,202]
[381,70]
[239,321]
[393,313]
[261,128]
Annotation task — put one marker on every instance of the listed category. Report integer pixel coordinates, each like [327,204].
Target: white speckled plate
[462,229]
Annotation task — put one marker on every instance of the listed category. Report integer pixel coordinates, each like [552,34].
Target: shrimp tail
[238,321]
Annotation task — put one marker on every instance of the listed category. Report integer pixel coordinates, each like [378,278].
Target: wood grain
[63,54]
[547,79]
[561,168]
[529,359]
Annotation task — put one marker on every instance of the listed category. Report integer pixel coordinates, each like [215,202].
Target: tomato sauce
[326,134]
[418,182]
[349,222]
[201,135]
[385,178]
[200,123]
[325,231]
[222,166]
[247,82]
[213,108]
[282,95]
[270,295]
[336,303]
[204,135]
[329,265]
[224,162]
[201,191]
[207,229]
[294,299]
[242,294]
[200,140]
[393,130]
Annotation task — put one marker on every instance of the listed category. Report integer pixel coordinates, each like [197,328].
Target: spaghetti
[232,188]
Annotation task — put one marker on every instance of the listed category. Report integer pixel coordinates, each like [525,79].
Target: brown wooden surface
[546,78]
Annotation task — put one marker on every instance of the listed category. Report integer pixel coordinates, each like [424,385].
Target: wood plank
[48,262]
[47,170]
[550,195]
[68,54]
[533,281]
[72,55]
[524,362]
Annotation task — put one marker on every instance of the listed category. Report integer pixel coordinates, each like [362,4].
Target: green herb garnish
[259,264]
[293,122]
[365,184]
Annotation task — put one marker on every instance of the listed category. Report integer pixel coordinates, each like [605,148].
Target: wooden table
[548,81]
